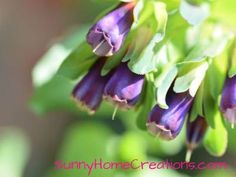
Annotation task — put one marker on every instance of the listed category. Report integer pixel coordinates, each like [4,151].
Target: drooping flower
[195,132]
[124,87]
[108,34]
[167,123]
[88,92]
[228,100]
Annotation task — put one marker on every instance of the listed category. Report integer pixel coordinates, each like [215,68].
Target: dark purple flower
[88,92]
[195,132]
[228,100]
[124,87]
[167,123]
[108,34]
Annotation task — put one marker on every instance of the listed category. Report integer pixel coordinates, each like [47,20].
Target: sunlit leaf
[216,139]
[164,87]
[194,14]
[192,80]
[48,65]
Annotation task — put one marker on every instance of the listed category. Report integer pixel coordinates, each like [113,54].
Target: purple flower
[88,92]
[228,100]
[124,87]
[195,132]
[167,123]
[108,34]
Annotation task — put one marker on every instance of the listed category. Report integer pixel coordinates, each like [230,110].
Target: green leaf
[145,23]
[224,11]
[216,139]
[192,80]
[171,5]
[114,61]
[232,71]
[142,11]
[197,108]
[78,62]
[212,43]
[218,67]
[148,59]
[138,42]
[175,24]
[52,96]
[164,87]
[194,14]
[210,106]
[48,65]
[148,101]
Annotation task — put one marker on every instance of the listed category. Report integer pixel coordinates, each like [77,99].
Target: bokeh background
[30,143]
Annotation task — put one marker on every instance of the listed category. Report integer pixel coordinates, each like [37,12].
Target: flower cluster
[124,87]
[121,86]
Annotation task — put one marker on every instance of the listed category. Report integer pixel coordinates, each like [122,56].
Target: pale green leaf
[216,139]
[147,61]
[192,80]
[148,100]
[194,14]
[164,87]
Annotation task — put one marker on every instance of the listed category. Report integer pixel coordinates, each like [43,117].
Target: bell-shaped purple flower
[108,34]
[88,92]
[124,87]
[195,132]
[167,123]
[228,100]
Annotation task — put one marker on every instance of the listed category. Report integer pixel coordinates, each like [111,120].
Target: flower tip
[232,126]
[188,155]
[230,116]
[116,101]
[160,131]
[109,33]
[114,112]
[83,106]
[100,47]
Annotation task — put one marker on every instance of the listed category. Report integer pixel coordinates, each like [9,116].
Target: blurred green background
[29,143]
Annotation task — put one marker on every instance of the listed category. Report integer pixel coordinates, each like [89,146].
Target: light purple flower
[88,92]
[108,34]
[228,100]
[124,87]
[167,123]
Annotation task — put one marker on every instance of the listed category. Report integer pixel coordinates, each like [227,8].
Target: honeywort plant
[168,60]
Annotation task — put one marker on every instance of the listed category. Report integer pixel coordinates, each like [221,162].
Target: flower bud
[124,87]
[108,34]
[88,92]
[228,100]
[167,123]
